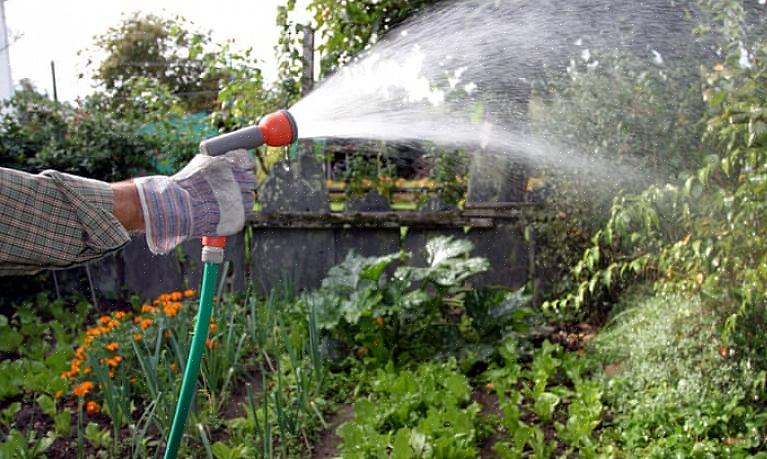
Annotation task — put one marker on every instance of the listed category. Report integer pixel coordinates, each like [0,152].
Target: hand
[211,196]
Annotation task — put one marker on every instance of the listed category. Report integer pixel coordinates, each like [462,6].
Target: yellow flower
[92,407]
[82,389]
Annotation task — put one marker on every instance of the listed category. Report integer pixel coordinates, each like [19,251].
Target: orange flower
[58,394]
[87,370]
[92,407]
[213,328]
[211,344]
[120,314]
[175,296]
[188,293]
[113,323]
[88,340]
[148,309]
[171,309]
[145,323]
[111,374]
[82,389]
[137,337]
[173,366]
[104,319]
[111,347]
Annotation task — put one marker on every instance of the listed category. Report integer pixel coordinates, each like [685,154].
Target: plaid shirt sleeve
[54,220]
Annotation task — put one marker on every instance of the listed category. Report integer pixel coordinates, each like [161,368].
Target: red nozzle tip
[278,129]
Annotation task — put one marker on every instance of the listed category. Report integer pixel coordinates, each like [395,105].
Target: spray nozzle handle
[275,129]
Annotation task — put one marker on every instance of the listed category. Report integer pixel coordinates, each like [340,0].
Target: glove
[211,196]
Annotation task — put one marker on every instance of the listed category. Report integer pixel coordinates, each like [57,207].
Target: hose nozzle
[275,129]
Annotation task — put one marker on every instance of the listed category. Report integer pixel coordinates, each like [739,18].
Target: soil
[327,445]
[489,406]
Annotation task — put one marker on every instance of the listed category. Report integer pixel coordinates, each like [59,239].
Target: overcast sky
[46,30]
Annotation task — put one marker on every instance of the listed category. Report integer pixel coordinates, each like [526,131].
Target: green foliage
[672,386]
[448,172]
[37,134]
[416,311]
[348,28]
[629,110]
[364,173]
[541,395]
[413,414]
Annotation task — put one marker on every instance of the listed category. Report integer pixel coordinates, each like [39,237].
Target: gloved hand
[211,196]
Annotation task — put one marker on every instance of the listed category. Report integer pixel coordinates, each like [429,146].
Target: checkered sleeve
[54,220]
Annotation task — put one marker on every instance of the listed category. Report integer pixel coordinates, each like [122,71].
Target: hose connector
[213,249]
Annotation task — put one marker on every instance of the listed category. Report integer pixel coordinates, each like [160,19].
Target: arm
[127,206]
[55,220]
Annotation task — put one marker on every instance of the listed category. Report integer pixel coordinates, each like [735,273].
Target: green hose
[188,384]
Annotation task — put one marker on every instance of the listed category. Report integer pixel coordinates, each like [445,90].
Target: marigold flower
[82,389]
[145,323]
[88,340]
[137,336]
[87,370]
[211,344]
[111,374]
[92,407]
[175,296]
[104,319]
[111,347]
[173,366]
[188,293]
[148,309]
[213,327]
[120,314]
[113,324]
[58,394]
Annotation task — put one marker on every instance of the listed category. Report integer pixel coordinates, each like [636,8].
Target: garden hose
[276,130]
[212,257]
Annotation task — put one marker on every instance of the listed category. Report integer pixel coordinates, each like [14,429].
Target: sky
[41,31]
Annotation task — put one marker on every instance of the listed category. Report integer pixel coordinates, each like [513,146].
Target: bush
[38,134]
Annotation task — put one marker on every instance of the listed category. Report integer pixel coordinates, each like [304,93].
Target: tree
[161,50]
[345,29]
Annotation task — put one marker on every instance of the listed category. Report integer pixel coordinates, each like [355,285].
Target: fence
[296,238]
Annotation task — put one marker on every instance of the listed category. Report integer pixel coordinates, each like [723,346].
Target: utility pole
[307,80]
[53,78]
[307,76]
[6,84]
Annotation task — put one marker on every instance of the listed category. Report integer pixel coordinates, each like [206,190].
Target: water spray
[276,130]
